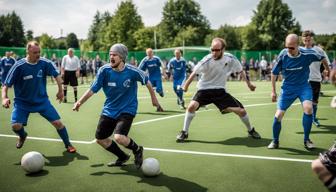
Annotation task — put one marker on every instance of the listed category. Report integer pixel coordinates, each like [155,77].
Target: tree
[11,31]
[46,41]
[97,31]
[230,34]
[273,20]
[186,37]
[123,25]
[144,38]
[72,41]
[250,38]
[177,16]
[29,35]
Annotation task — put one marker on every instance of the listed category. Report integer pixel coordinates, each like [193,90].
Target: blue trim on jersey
[152,65]
[120,89]
[178,67]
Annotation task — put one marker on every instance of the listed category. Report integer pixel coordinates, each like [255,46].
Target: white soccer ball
[150,167]
[333,102]
[32,162]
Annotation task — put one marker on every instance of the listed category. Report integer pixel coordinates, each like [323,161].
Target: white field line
[47,139]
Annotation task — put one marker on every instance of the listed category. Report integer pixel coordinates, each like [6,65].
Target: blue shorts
[157,85]
[179,81]
[47,111]
[288,96]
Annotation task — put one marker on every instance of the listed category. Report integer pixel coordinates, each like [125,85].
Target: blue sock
[307,121]
[314,112]
[21,132]
[63,133]
[276,129]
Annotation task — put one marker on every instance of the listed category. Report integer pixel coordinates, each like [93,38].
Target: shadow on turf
[322,129]
[249,142]
[64,159]
[174,184]
[165,112]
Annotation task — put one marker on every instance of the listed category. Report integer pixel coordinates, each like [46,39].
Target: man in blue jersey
[214,69]
[293,63]
[29,77]
[5,65]
[177,66]
[315,76]
[153,65]
[119,83]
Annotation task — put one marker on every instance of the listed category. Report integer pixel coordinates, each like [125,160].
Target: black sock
[114,148]
[133,146]
[65,93]
[75,92]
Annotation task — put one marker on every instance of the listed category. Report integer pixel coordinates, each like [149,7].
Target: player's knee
[120,139]
[279,115]
[317,166]
[242,112]
[57,124]
[17,126]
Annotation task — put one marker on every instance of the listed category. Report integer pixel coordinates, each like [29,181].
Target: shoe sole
[122,163]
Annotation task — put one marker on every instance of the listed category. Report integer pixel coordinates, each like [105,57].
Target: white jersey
[315,73]
[214,73]
[70,63]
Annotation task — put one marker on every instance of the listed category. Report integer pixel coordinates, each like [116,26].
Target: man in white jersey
[215,69]
[315,76]
[70,69]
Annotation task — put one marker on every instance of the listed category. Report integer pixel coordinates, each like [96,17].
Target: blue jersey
[179,68]
[29,81]
[153,66]
[5,65]
[120,89]
[295,70]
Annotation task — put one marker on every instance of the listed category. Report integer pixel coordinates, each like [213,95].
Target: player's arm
[247,80]
[60,93]
[273,94]
[78,68]
[5,99]
[191,77]
[62,66]
[155,102]
[82,100]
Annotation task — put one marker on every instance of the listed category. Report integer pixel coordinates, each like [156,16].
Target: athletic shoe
[273,145]
[316,123]
[254,134]
[65,100]
[181,136]
[71,149]
[21,141]
[119,162]
[161,94]
[309,144]
[138,157]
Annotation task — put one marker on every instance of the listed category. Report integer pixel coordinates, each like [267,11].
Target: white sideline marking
[48,139]
[230,155]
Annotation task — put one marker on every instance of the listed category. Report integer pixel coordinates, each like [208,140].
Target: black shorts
[219,97]
[83,73]
[70,77]
[121,125]
[316,87]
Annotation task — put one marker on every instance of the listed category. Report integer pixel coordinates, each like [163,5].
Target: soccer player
[70,71]
[177,66]
[119,83]
[315,76]
[153,65]
[325,168]
[5,65]
[215,69]
[29,76]
[293,63]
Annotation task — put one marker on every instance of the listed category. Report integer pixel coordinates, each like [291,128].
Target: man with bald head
[293,64]
[214,69]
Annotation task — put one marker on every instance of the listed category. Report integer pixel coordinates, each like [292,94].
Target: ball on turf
[150,167]
[32,162]
[333,102]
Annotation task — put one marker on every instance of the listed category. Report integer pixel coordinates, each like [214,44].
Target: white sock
[187,120]
[246,121]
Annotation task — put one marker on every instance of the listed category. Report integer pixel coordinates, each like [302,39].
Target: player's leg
[307,119]
[159,88]
[19,120]
[74,83]
[120,135]
[104,130]
[316,88]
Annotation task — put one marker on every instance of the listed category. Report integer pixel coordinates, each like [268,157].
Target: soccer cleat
[71,149]
[181,136]
[161,94]
[309,144]
[254,134]
[119,162]
[21,141]
[273,145]
[65,100]
[138,157]
[159,109]
[316,123]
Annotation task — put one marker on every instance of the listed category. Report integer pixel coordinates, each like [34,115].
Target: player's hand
[184,88]
[6,103]
[77,74]
[76,106]
[274,97]
[60,96]
[252,87]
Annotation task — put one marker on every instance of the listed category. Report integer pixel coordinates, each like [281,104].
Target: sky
[61,17]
